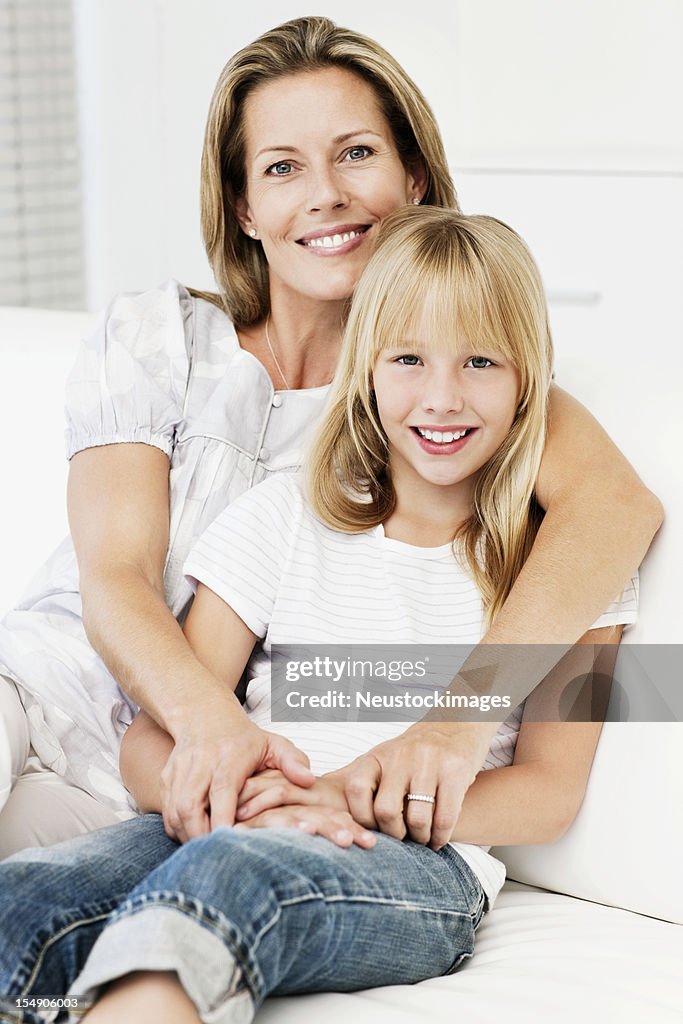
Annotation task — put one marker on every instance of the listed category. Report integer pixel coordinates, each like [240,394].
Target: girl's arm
[118,513]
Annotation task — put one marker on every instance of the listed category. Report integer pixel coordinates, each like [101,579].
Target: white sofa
[590,928]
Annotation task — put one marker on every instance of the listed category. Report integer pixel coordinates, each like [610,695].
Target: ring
[424,797]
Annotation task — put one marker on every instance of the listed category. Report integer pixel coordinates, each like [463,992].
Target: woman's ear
[418,182]
[244,217]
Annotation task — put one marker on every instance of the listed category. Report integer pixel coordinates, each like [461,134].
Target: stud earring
[252,232]
[416,201]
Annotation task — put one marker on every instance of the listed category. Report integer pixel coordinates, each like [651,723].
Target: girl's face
[322,173]
[444,414]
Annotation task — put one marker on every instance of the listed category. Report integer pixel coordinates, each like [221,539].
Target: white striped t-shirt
[294,580]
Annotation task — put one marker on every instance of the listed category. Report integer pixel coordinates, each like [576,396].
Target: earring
[252,232]
[416,201]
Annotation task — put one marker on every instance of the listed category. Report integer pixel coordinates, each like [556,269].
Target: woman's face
[322,173]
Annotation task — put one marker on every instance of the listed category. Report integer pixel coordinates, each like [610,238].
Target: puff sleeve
[131,374]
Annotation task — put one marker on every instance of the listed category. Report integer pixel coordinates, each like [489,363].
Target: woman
[315,135]
[427,455]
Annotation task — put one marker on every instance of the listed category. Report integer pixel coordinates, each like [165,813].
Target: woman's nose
[326,191]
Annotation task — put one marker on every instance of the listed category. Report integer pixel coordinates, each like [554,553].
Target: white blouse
[166,369]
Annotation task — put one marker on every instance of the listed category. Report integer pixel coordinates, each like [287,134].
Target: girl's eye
[479,362]
[358,152]
[280,169]
[408,360]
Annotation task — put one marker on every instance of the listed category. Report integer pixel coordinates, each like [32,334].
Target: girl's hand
[434,759]
[271,788]
[336,825]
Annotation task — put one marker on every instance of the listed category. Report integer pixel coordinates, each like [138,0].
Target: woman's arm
[537,797]
[600,520]
[222,643]
[534,800]
[118,513]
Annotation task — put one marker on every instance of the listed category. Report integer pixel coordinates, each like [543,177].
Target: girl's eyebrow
[335,141]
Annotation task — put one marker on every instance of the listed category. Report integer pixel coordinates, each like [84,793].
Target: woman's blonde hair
[306,44]
[466,281]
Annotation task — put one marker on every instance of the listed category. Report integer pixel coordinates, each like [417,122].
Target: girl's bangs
[433,307]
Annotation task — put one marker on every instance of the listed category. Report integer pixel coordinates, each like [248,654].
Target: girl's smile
[445,411]
[443,440]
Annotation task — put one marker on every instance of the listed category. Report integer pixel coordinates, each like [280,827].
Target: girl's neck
[305,337]
[428,516]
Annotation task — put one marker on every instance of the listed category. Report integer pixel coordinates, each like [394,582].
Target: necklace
[270,349]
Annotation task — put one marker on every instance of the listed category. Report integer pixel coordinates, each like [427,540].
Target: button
[277,401]
[264,454]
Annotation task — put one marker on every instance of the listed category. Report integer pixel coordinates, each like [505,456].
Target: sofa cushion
[624,849]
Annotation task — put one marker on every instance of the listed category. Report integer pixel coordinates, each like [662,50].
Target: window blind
[41,257]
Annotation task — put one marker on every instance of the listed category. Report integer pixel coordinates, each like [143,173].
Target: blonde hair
[457,277]
[306,44]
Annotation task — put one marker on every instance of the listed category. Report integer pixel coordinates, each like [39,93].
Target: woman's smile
[340,238]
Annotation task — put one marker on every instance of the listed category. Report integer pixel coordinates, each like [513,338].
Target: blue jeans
[239,915]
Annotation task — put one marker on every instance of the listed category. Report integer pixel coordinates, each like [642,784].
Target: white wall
[543,85]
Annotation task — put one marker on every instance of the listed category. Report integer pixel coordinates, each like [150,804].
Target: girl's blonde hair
[464,281]
[306,44]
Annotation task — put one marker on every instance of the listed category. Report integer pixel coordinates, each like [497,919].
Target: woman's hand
[208,766]
[195,785]
[433,759]
[334,824]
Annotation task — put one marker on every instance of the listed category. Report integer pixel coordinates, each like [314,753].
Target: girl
[179,403]
[415,516]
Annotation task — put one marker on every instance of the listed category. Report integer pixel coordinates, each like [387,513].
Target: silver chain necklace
[270,349]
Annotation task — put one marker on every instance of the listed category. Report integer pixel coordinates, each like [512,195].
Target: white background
[563,118]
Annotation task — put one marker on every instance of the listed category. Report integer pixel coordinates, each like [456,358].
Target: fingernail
[343,835]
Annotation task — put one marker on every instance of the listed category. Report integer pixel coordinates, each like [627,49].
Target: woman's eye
[279,169]
[479,362]
[358,152]
[408,360]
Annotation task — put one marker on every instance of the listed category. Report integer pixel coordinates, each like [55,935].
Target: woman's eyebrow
[335,141]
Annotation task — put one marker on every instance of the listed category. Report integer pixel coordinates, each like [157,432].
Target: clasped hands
[370,794]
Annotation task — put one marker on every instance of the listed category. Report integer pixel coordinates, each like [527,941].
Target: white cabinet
[586,84]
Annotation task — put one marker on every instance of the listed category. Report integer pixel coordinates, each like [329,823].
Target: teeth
[332,241]
[441,437]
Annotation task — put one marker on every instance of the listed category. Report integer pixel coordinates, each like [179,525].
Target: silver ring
[423,797]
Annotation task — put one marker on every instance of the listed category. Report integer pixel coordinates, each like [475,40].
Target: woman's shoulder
[165,326]
[169,303]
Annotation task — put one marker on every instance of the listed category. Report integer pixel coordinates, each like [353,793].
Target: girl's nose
[442,395]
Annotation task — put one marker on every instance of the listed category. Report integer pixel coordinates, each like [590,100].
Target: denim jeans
[238,914]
